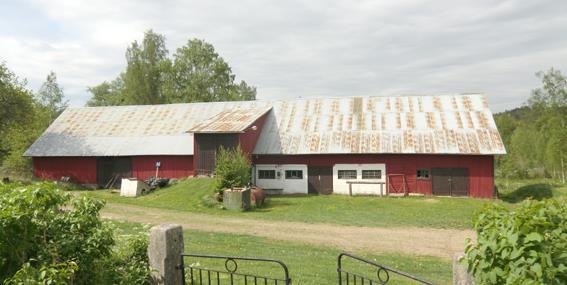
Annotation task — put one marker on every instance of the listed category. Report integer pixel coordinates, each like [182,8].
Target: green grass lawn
[434,212]
[514,190]
[307,264]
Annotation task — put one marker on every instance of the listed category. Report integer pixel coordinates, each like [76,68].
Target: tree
[535,134]
[553,93]
[199,74]
[196,74]
[143,77]
[16,109]
[107,93]
[50,96]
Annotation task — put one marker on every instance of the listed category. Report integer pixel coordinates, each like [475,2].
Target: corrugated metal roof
[449,124]
[230,121]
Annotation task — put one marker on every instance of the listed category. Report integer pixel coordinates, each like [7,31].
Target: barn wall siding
[249,138]
[80,169]
[83,169]
[481,183]
[171,166]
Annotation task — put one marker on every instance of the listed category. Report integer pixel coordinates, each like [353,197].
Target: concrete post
[164,253]
[460,273]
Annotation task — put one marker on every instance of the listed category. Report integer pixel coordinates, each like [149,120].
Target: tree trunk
[562,169]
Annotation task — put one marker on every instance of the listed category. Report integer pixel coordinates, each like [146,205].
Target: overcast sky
[302,48]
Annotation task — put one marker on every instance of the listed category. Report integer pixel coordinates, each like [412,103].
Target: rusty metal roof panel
[129,130]
[448,124]
[233,120]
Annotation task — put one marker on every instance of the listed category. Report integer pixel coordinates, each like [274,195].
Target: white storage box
[132,187]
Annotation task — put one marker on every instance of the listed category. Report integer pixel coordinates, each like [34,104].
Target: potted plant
[232,175]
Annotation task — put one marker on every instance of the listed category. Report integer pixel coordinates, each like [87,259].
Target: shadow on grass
[270,205]
[538,191]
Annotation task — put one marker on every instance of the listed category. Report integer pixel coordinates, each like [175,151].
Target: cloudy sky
[302,48]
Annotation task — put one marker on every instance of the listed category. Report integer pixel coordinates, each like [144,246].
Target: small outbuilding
[433,145]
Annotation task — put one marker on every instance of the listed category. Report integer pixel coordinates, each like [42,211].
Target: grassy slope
[307,264]
[514,190]
[435,212]
[337,209]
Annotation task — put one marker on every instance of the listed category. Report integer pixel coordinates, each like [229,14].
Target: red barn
[434,145]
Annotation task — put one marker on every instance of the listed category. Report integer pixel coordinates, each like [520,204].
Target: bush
[129,262]
[524,246]
[41,223]
[49,237]
[232,169]
[58,273]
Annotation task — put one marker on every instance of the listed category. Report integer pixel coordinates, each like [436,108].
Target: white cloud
[310,48]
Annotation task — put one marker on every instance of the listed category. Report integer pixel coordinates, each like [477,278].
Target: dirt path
[407,240]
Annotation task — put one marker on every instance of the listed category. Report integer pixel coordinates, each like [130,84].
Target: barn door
[103,170]
[450,181]
[441,181]
[109,167]
[320,180]
[459,182]
[208,147]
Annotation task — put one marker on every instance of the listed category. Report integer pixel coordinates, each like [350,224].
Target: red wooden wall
[80,169]
[249,138]
[83,169]
[481,183]
[172,166]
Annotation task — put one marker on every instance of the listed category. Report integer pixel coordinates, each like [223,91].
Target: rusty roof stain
[445,124]
[230,121]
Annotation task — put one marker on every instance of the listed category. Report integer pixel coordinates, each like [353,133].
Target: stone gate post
[164,253]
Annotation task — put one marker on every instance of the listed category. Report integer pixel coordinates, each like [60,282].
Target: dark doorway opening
[450,181]
[111,170]
[207,147]
[320,180]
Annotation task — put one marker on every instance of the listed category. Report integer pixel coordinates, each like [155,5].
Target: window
[294,174]
[371,174]
[266,174]
[423,174]
[347,174]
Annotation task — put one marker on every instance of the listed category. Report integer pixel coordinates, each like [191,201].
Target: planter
[237,199]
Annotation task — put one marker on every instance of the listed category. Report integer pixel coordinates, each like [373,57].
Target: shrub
[42,223]
[232,169]
[526,245]
[129,262]
[58,273]
[49,237]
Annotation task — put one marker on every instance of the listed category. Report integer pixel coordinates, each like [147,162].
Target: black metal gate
[197,274]
[361,275]
[351,270]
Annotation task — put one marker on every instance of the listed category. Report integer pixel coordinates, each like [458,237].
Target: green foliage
[15,105]
[107,93]
[23,117]
[195,74]
[521,246]
[51,98]
[39,222]
[129,262]
[553,93]
[534,135]
[232,169]
[57,273]
[199,74]
[143,77]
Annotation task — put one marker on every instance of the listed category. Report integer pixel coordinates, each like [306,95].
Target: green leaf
[533,237]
